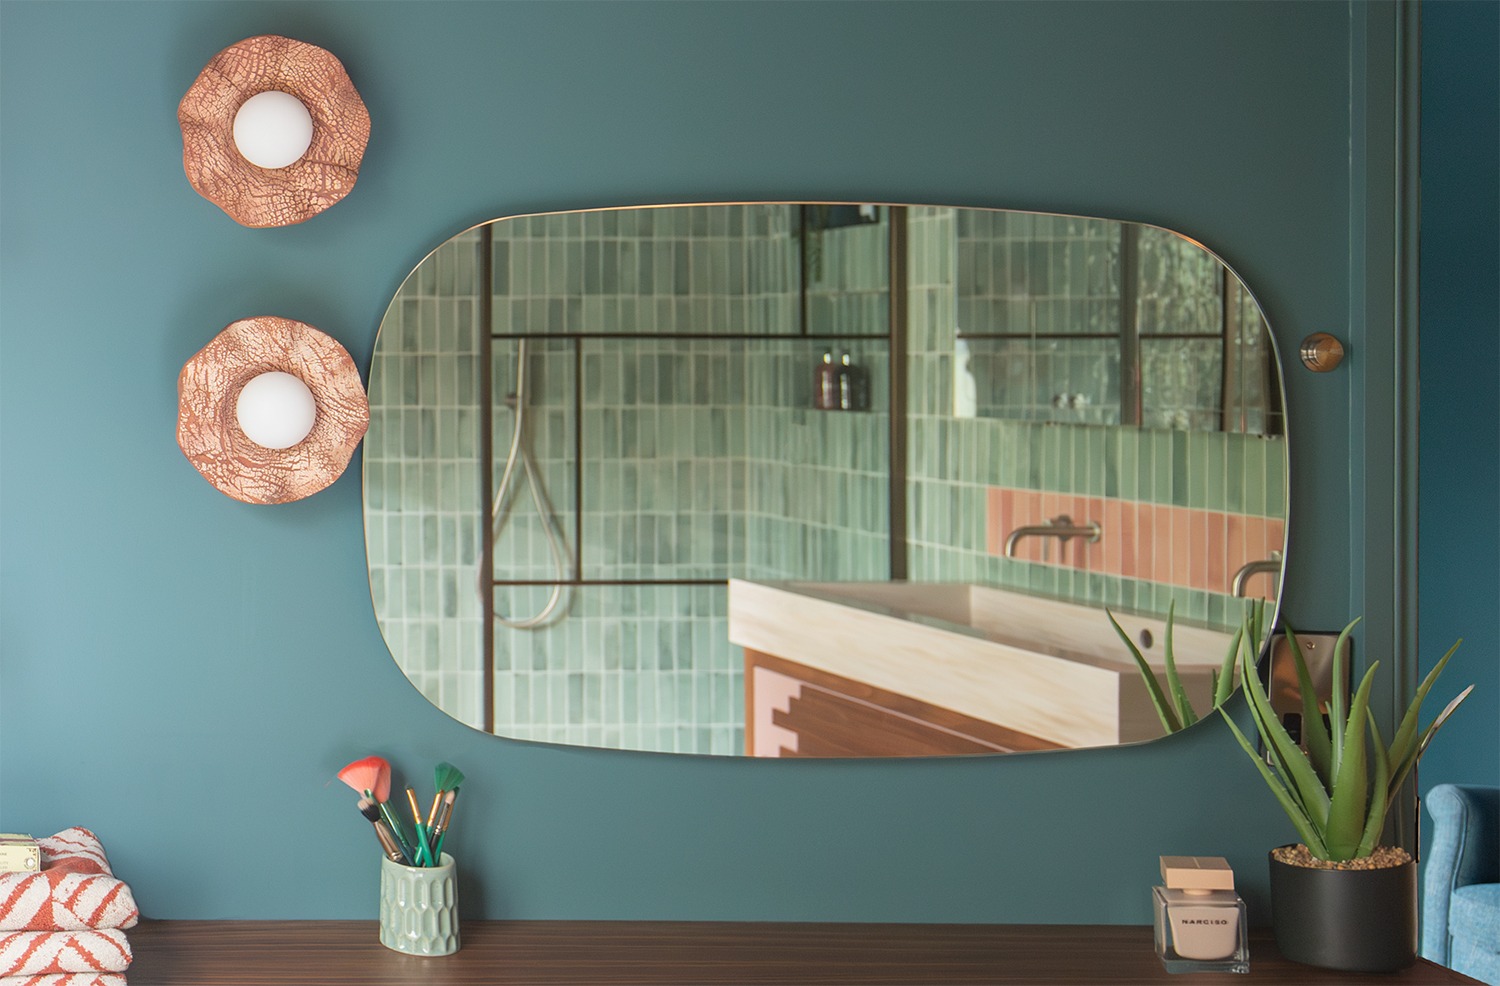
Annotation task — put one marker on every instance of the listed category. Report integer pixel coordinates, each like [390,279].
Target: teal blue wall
[184,673]
[1460,464]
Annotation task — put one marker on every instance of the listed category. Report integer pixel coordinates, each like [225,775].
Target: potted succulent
[1337,899]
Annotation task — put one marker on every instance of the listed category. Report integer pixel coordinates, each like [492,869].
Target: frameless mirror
[819,479]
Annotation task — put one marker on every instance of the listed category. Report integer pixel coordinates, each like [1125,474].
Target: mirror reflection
[818,479]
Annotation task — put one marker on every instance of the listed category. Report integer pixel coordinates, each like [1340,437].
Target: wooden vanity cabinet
[792,710]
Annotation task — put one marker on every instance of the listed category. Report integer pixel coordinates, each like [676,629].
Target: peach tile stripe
[1182,546]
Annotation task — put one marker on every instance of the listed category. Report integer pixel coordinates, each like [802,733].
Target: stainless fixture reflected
[1060,527]
[519,449]
[1254,568]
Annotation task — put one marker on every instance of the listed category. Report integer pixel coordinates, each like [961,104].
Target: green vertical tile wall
[702,458]
[976,272]
[818,493]
[421,484]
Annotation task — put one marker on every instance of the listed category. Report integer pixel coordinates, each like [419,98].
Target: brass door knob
[1321,352]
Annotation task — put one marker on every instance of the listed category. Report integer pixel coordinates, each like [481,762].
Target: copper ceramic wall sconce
[229,119]
[236,386]
[1321,352]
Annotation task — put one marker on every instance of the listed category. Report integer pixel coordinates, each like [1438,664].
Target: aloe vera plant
[1328,792]
[1172,705]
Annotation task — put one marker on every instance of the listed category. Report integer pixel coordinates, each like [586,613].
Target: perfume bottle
[826,385]
[854,386]
[1200,920]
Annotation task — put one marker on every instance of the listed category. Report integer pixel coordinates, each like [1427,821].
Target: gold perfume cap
[1197,873]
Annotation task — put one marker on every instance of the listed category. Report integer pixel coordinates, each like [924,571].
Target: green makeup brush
[446,778]
[416,814]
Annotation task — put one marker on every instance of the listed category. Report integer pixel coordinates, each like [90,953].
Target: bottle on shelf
[826,385]
[854,386]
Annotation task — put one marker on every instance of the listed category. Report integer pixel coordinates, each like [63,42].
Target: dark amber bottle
[826,385]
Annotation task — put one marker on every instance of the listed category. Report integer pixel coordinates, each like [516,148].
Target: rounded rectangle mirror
[820,479]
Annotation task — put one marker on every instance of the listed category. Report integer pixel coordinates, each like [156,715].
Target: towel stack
[62,926]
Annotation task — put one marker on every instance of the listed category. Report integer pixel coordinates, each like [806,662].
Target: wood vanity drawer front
[832,716]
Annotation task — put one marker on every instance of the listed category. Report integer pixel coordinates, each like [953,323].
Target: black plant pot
[1355,920]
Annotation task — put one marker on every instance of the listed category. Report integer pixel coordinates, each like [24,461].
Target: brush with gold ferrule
[388,842]
[423,856]
[446,778]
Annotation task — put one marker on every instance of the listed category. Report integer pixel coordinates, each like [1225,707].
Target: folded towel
[75,890]
[42,953]
[78,845]
[66,979]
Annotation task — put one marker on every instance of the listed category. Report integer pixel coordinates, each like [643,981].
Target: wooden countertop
[334,953]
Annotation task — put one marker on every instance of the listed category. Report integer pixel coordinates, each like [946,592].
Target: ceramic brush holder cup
[419,907]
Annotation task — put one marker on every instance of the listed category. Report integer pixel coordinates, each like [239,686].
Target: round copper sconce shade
[255,196]
[1321,352]
[208,429]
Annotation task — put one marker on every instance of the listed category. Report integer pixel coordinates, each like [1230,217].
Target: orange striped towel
[66,979]
[75,891]
[45,953]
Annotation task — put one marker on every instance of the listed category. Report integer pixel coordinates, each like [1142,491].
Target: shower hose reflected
[521,451]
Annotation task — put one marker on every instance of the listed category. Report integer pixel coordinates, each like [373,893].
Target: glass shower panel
[1046,379]
[423,532]
[1182,383]
[1252,401]
[663,470]
[702,459]
[846,269]
[817,503]
[637,667]
[534,520]
[680,270]
[1181,286]
[1023,274]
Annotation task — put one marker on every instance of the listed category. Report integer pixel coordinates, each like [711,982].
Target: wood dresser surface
[326,953]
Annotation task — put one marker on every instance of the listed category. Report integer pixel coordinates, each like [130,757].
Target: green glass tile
[1217,605]
[1179,466]
[1215,493]
[1050,450]
[1079,475]
[1275,473]
[1161,466]
[1114,447]
[1234,472]
[1194,469]
[1255,477]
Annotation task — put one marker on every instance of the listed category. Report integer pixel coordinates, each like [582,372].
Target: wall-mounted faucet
[1060,527]
[1250,569]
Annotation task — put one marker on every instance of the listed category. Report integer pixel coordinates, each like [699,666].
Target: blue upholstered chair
[1461,894]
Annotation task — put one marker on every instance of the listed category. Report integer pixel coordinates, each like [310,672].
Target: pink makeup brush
[372,778]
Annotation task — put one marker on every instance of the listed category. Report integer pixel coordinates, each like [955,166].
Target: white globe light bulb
[272,129]
[276,410]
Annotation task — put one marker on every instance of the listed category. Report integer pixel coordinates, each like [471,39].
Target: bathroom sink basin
[1050,669]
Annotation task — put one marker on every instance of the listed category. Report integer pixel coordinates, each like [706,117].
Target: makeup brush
[446,778]
[416,814]
[372,778]
[441,828]
[393,851]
